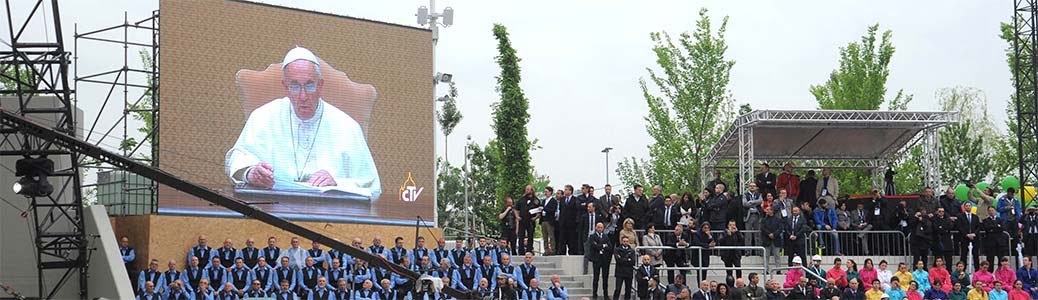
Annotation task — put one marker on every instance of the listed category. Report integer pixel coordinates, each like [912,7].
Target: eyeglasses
[295,88]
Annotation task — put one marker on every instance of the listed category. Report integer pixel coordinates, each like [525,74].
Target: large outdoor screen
[307,115]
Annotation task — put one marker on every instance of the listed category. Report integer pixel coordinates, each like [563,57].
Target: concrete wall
[107,274]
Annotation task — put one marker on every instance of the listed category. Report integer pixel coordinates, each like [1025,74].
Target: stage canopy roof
[836,138]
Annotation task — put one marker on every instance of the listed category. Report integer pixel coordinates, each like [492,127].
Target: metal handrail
[699,251]
[817,233]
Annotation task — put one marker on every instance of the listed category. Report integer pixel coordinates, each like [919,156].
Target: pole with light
[606,151]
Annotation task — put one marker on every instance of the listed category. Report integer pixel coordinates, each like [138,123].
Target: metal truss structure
[828,138]
[139,97]
[39,72]
[1025,75]
[14,123]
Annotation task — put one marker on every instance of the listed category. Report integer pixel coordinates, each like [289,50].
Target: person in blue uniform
[250,254]
[228,292]
[467,276]
[129,255]
[272,252]
[255,290]
[377,248]
[284,291]
[216,273]
[148,292]
[319,255]
[309,276]
[227,253]
[398,252]
[202,251]
[322,291]
[203,292]
[170,275]
[193,274]
[264,273]
[240,276]
[419,250]
[458,254]
[151,274]
[176,291]
[366,292]
[284,272]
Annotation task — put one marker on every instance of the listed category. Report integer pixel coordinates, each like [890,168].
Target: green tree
[965,153]
[449,116]
[450,195]
[860,84]
[141,111]
[689,104]
[513,171]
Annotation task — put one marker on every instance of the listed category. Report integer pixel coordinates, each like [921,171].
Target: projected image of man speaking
[300,142]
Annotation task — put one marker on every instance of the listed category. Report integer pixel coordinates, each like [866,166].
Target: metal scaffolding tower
[39,72]
[1025,75]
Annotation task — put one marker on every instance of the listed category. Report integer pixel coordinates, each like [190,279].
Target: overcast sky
[581,60]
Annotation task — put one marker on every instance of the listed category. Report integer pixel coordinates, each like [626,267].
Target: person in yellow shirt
[876,292]
[903,276]
[977,293]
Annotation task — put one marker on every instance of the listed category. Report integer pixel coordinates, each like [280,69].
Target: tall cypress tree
[513,171]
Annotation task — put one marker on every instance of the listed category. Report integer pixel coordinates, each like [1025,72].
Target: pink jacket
[942,275]
[986,277]
[867,276]
[1006,275]
[792,278]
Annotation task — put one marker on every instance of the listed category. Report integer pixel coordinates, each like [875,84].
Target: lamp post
[606,151]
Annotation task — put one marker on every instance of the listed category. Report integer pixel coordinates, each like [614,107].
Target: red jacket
[790,182]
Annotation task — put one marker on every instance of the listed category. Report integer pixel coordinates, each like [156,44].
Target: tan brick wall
[204,43]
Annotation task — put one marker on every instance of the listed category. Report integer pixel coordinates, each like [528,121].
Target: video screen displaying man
[300,142]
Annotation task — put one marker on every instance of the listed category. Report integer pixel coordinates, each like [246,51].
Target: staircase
[571,271]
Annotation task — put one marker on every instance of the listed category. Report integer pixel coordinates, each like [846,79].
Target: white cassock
[296,148]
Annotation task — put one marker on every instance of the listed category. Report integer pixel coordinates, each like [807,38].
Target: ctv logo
[409,192]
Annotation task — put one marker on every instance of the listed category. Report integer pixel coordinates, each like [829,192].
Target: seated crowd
[779,213]
[316,273]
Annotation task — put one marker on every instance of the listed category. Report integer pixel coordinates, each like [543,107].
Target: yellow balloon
[1028,193]
[973,210]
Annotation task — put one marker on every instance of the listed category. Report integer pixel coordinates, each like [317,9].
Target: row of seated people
[506,289]
[457,265]
[921,283]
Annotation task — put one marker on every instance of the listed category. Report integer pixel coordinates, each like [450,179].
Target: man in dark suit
[568,222]
[634,208]
[643,273]
[676,258]
[625,260]
[656,202]
[656,291]
[605,202]
[766,180]
[549,221]
[704,292]
[586,225]
[969,227]
[796,232]
[667,215]
[601,254]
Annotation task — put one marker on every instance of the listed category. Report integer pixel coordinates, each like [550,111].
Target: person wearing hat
[793,276]
[325,146]
[816,267]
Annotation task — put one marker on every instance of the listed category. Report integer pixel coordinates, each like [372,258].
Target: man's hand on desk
[322,178]
[261,175]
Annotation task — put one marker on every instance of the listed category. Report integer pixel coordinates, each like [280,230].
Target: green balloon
[1011,182]
[983,185]
[961,191]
